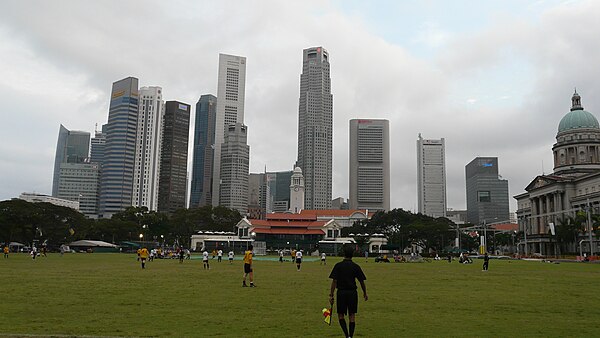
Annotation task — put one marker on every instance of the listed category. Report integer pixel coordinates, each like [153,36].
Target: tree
[404,227]
[568,229]
[47,223]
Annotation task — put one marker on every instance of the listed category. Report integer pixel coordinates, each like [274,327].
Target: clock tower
[297,191]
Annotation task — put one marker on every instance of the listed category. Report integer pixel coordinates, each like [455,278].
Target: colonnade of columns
[544,210]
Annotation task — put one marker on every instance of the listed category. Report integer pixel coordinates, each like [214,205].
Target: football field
[110,295]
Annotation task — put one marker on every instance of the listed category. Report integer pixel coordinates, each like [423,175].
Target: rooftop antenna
[543,173]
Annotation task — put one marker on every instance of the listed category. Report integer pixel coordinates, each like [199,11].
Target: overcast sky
[493,78]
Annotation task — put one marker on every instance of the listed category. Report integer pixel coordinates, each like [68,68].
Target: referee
[343,278]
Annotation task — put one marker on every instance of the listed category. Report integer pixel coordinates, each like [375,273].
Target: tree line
[403,228]
[25,222]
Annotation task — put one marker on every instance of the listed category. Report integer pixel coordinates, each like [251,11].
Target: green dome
[577,119]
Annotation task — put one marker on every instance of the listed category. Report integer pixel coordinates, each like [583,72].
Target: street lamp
[589,221]
[458,238]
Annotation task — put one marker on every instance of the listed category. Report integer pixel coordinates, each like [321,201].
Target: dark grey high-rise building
[235,168]
[116,182]
[315,128]
[173,163]
[202,163]
[98,146]
[487,192]
[72,147]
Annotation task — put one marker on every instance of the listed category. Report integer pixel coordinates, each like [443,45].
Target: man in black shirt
[343,278]
[486,262]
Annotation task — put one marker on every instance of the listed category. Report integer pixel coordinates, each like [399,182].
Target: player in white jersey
[230,255]
[323,257]
[298,259]
[205,260]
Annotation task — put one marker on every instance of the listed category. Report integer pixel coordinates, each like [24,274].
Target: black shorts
[247,268]
[347,301]
[298,260]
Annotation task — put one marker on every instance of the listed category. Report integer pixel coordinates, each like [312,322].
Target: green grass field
[110,295]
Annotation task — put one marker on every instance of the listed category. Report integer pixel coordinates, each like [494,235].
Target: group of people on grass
[343,279]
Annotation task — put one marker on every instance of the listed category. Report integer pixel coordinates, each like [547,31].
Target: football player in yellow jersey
[6,251]
[248,267]
[143,257]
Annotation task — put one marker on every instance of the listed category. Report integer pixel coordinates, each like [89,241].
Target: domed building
[575,182]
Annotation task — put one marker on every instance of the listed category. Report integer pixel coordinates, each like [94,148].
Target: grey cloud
[84,49]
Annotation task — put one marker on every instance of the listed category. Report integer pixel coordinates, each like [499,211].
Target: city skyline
[426,74]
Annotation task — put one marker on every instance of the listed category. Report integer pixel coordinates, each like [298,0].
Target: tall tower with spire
[315,128]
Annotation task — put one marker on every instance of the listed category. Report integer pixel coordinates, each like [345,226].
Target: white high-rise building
[231,89]
[148,147]
[369,164]
[315,128]
[431,177]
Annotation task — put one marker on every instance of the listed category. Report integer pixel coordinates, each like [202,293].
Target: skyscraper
[256,196]
[315,128]
[76,179]
[79,182]
[235,168]
[147,148]
[98,146]
[431,177]
[369,164]
[204,140]
[231,89]
[72,147]
[116,182]
[269,192]
[278,197]
[487,193]
[173,163]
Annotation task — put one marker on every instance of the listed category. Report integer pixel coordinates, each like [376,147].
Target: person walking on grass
[230,255]
[323,257]
[343,278]
[280,256]
[486,262]
[6,250]
[298,259]
[248,267]
[143,257]
[219,255]
[205,260]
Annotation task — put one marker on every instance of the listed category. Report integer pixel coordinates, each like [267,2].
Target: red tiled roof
[293,231]
[293,224]
[506,226]
[286,216]
[331,212]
